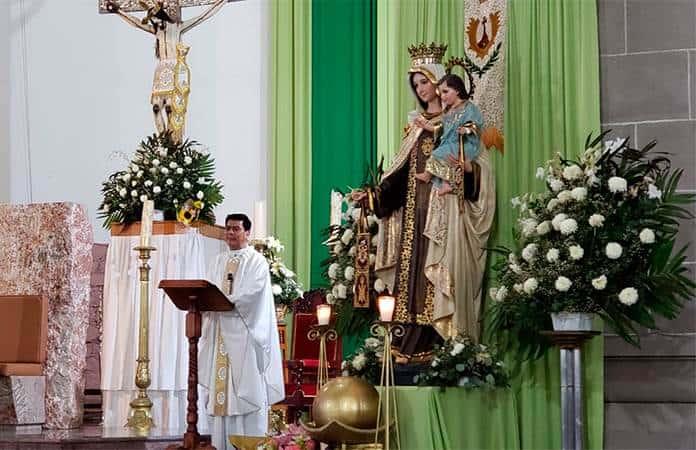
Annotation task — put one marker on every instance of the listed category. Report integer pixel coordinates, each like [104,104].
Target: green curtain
[431,418]
[399,25]
[551,104]
[343,107]
[290,133]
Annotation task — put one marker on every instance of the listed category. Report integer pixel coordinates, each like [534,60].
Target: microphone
[230,278]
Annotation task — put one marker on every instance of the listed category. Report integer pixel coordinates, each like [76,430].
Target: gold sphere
[349,400]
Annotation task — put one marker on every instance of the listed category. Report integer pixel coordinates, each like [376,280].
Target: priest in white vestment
[240,362]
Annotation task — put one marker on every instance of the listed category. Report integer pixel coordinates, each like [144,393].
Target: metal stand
[322,332]
[140,419]
[387,394]
[572,411]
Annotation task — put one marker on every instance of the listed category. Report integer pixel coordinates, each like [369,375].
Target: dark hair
[246,223]
[455,82]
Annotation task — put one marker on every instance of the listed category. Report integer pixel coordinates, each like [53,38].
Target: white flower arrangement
[284,284]
[603,242]
[169,193]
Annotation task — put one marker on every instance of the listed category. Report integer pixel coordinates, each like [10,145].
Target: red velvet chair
[303,367]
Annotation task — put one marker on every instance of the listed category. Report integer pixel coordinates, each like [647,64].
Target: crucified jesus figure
[171,83]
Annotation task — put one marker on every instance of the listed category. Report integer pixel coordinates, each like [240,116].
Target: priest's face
[235,234]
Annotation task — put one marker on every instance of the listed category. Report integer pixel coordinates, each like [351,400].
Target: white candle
[386,303]
[146,223]
[259,225]
[336,202]
[323,314]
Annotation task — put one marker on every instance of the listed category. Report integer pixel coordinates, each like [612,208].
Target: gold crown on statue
[426,54]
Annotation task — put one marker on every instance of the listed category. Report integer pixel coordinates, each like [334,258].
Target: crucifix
[171,84]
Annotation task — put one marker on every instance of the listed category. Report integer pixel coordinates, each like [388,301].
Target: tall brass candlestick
[387,396]
[140,418]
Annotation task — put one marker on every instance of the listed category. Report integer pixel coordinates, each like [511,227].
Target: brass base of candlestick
[140,419]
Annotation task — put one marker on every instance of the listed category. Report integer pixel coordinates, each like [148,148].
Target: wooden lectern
[194,296]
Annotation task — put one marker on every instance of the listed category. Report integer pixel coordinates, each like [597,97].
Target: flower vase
[570,321]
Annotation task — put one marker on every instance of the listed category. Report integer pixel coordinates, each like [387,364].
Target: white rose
[173,165]
[143,198]
[139,174]
[457,349]
[187,185]
[529,252]
[518,287]
[540,173]
[555,184]
[543,228]
[613,250]
[148,183]
[134,193]
[169,181]
[579,193]
[492,293]
[576,252]
[501,294]
[333,271]
[338,248]
[351,251]
[529,227]
[134,167]
[562,284]
[162,151]
[654,192]
[199,195]
[164,171]
[155,162]
[187,160]
[341,290]
[152,170]
[359,361]
[349,273]
[123,192]
[564,196]
[512,258]
[600,282]
[330,299]
[552,255]
[277,290]
[530,285]
[552,204]
[156,189]
[596,220]
[617,184]
[556,221]
[355,214]
[628,296]
[379,285]
[572,172]
[126,177]
[569,226]
[134,183]
[347,236]
[179,170]
[516,268]
[647,236]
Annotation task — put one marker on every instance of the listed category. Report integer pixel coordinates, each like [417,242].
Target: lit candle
[323,314]
[336,202]
[386,303]
[259,225]
[146,223]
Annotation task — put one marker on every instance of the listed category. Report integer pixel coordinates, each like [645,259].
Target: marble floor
[89,437]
